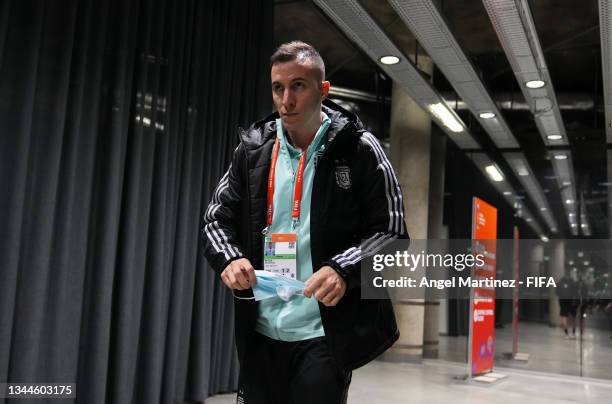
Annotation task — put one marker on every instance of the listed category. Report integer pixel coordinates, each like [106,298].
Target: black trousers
[302,372]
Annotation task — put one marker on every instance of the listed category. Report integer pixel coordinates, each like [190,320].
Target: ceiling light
[543,209]
[586,263]
[528,219]
[494,173]
[569,201]
[487,115]
[571,262]
[535,84]
[566,183]
[389,60]
[554,229]
[580,254]
[554,137]
[447,118]
[544,239]
[507,193]
[573,224]
[560,156]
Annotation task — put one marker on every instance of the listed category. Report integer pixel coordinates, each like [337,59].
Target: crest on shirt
[343,177]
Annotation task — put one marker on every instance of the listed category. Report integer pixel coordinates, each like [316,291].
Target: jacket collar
[263,130]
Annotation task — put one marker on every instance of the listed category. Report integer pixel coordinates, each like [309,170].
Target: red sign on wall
[482,302]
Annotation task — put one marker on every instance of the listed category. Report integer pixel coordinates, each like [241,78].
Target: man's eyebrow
[292,81]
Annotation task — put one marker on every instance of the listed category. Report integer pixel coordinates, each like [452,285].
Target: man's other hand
[239,274]
[326,286]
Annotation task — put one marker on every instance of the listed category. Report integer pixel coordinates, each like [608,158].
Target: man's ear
[324,89]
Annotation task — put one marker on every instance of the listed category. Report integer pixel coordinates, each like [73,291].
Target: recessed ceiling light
[569,201]
[389,60]
[571,262]
[554,137]
[507,193]
[543,209]
[535,84]
[566,183]
[448,119]
[560,156]
[573,224]
[544,239]
[487,115]
[494,173]
[528,219]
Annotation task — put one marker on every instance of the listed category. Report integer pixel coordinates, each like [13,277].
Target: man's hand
[326,286]
[239,274]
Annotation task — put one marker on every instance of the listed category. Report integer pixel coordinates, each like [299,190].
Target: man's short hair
[300,52]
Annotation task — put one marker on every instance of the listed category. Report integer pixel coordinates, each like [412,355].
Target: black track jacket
[356,209]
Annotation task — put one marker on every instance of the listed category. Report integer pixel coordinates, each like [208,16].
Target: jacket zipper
[316,181]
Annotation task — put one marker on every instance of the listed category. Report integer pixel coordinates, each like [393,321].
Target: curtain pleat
[117,119]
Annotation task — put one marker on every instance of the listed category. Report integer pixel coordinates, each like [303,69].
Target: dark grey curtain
[117,118]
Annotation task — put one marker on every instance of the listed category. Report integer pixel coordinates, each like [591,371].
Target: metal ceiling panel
[423,17]
[428,26]
[519,165]
[564,172]
[359,26]
[609,164]
[481,161]
[605,32]
[516,31]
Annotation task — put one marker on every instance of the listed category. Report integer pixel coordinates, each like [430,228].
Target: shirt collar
[316,141]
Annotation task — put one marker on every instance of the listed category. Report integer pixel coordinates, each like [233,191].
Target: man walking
[567,291]
[308,195]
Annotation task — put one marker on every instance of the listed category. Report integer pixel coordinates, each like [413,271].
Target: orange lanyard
[297,193]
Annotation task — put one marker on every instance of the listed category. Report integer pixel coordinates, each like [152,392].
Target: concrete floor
[552,374]
[433,382]
[548,349]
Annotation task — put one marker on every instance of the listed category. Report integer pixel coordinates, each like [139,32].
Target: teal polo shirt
[299,318]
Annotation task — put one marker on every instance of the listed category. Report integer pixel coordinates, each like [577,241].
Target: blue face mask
[270,284]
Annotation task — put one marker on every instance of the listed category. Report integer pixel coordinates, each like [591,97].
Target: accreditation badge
[280,254]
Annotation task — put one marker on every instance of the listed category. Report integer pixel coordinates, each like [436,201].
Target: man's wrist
[229,261]
[339,270]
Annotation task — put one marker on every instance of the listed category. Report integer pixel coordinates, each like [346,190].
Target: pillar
[437,231]
[410,154]
[557,267]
